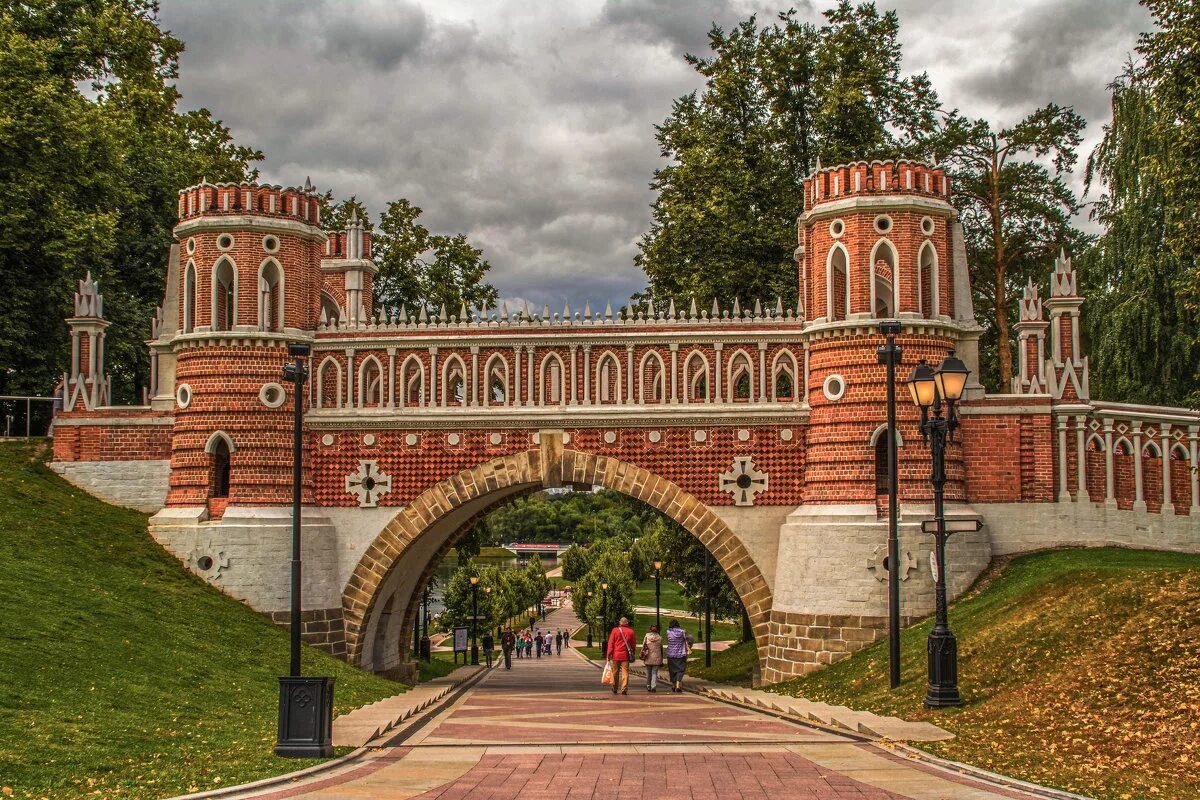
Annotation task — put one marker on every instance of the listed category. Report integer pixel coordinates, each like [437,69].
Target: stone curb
[333,764]
[992,777]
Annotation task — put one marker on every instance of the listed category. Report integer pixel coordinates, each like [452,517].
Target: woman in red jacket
[620,651]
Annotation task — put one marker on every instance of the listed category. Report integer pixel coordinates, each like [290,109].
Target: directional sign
[953,525]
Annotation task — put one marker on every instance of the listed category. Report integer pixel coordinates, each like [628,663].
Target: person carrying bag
[620,653]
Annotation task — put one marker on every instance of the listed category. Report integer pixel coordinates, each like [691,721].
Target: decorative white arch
[557,388]
[330,310]
[368,394]
[210,446]
[1179,452]
[1151,450]
[887,245]
[320,383]
[1096,440]
[792,367]
[453,366]
[739,362]
[412,371]
[270,295]
[224,261]
[658,392]
[695,369]
[844,266]
[880,431]
[935,309]
[189,297]
[610,379]
[496,366]
[1122,447]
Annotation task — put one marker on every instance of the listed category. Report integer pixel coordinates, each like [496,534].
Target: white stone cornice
[245,222]
[185,341]
[886,202]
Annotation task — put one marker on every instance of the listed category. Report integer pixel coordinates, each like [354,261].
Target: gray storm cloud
[529,126]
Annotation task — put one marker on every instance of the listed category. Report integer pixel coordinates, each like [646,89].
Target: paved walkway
[548,729]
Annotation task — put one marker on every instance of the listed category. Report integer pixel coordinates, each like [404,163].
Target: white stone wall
[1021,527]
[140,485]
[831,561]
[758,529]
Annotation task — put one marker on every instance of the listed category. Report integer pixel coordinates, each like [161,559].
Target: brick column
[433,392]
[473,396]
[391,395]
[1139,500]
[1164,438]
[629,374]
[717,396]
[1110,498]
[587,374]
[674,372]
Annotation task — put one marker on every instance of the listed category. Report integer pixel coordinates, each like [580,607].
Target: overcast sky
[527,124]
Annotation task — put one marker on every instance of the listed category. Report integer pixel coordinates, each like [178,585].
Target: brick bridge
[757,427]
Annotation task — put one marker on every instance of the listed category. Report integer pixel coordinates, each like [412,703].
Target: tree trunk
[1000,290]
[747,631]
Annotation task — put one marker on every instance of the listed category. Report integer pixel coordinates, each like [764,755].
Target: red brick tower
[877,241]
[250,282]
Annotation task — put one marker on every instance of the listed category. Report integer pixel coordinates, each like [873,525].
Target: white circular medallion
[191,245]
[410,439]
[453,439]
[837,228]
[270,243]
[183,395]
[566,438]
[786,434]
[743,435]
[369,439]
[700,436]
[654,436]
[883,223]
[224,242]
[927,226]
[272,395]
[495,438]
[327,440]
[610,436]
[834,387]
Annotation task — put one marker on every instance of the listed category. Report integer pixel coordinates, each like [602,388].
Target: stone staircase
[861,722]
[365,724]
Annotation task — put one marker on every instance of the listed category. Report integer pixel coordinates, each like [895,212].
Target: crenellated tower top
[872,178]
[214,199]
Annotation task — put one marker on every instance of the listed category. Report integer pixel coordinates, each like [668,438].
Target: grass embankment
[1080,669]
[124,676]
[643,595]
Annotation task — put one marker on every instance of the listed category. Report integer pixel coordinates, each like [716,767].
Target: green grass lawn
[643,595]
[734,666]
[440,663]
[124,675]
[1080,669]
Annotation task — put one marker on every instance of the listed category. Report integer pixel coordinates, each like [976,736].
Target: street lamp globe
[951,377]
[658,565]
[474,579]
[604,585]
[922,385]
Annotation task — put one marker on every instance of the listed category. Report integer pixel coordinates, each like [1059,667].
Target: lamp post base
[474,655]
[943,671]
[305,717]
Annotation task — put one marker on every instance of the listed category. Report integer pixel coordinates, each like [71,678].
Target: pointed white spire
[526,315]
[308,187]
[757,309]
[608,310]
[737,309]
[649,308]
[462,312]
[692,312]
[716,310]
[504,311]
[422,317]
[671,309]
[443,316]
[566,311]
[587,310]
[778,307]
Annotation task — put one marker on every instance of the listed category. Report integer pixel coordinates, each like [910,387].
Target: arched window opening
[329,384]
[552,385]
[370,378]
[497,382]
[189,299]
[652,383]
[224,297]
[331,313]
[741,387]
[784,391]
[838,300]
[695,376]
[456,383]
[219,482]
[741,379]
[412,382]
[881,464]
[927,282]
[608,381]
[270,297]
[883,272]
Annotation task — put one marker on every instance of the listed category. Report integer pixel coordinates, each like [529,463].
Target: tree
[775,99]
[611,568]
[575,563]
[539,584]
[1016,211]
[686,564]
[460,596]
[1142,330]
[94,155]
[419,269]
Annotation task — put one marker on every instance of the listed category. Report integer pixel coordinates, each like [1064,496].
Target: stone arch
[331,312]
[695,378]
[371,386]
[652,376]
[837,283]
[881,431]
[430,523]
[784,363]
[927,281]
[329,383]
[495,377]
[224,295]
[740,368]
[454,381]
[888,284]
[608,379]
[270,295]
[220,448]
[552,381]
[412,382]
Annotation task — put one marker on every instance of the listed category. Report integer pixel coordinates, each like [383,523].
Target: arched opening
[879,445]
[695,378]
[220,451]
[370,383]
[927,282]
[331,312]
[608,380]
[412,382]
[837,273]
[1152,477]
[224,310]
[454,382]
[189,299]
[1096,469]
[399,562]
[270,296]
[652,382]
[1123,473]
[884,280]
[741,378]
[1181,479]
[496,381]
[783,377]
[551,384]
[329,384]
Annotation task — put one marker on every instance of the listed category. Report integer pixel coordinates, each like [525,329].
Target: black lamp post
[589,644]
[935,391]
[657,594]
[889,354]
[604,620]
[305,704]
[474,619]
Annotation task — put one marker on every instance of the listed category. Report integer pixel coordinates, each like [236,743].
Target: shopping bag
[606,677]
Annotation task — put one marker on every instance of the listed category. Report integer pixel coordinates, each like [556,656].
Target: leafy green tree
[459,597]
[94,155]
[1016,211]
[575,563]
[1142,331]
[613,568]
[686,565]
[539,584]
[775,99]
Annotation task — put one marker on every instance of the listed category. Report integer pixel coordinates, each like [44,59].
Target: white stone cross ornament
[743,481]
[368,484]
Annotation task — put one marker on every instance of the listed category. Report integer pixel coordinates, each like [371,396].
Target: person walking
[652,657]
[539,642]
[489,644]
[620,652]
[679,643]
[558,637]
[507,642]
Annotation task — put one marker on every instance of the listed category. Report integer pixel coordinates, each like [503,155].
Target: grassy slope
[1080,669]
[123,675]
